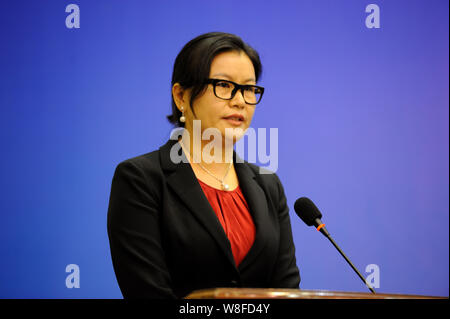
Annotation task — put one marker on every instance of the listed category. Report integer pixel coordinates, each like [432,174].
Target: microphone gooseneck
[310,214]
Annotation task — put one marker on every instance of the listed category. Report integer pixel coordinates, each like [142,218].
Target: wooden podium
[267,293]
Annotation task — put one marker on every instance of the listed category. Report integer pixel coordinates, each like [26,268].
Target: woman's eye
[223,84]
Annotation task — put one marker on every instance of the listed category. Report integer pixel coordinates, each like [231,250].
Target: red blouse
[232,211]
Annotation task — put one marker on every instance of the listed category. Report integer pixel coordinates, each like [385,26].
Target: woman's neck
[215,154]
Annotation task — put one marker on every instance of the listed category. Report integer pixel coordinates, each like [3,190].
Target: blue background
[362,117]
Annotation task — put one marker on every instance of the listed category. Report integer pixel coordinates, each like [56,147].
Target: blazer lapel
[184,183]
[257,203]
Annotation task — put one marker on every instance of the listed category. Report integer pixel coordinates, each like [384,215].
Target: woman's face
[215,112]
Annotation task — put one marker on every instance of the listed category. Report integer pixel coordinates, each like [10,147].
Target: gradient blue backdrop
[363,119]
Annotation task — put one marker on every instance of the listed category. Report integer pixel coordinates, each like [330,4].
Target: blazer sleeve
[134,236]
[286,273]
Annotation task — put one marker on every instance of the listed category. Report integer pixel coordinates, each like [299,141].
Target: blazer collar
[183,181]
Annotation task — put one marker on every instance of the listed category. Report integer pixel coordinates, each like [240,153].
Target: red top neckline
[217,189]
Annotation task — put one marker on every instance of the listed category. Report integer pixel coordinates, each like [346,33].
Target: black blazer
[166,240]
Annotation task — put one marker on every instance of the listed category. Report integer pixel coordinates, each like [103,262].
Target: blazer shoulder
[145,161]
[146,167]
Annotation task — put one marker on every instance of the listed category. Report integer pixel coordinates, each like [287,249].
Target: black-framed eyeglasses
[226,90]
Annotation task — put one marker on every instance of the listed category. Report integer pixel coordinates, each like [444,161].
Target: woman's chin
[233,134]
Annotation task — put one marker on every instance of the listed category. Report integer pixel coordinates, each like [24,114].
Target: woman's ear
[180,96]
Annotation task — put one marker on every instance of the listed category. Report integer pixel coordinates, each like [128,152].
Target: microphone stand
[349,262]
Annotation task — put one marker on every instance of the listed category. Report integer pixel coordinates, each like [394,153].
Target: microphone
[310,214]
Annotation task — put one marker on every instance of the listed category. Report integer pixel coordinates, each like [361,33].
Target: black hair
[193,64]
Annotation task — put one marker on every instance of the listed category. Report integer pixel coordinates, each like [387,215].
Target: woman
[175,227]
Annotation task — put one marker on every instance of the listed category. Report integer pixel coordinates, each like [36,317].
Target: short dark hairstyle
[193,64]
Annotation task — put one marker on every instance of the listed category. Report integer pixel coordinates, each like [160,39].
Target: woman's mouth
[234,119]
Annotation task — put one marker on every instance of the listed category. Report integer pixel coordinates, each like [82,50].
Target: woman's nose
[238,100]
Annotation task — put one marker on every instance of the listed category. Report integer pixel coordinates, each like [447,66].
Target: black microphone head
[307,211]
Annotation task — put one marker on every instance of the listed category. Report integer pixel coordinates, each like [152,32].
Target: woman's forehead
[233,66]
